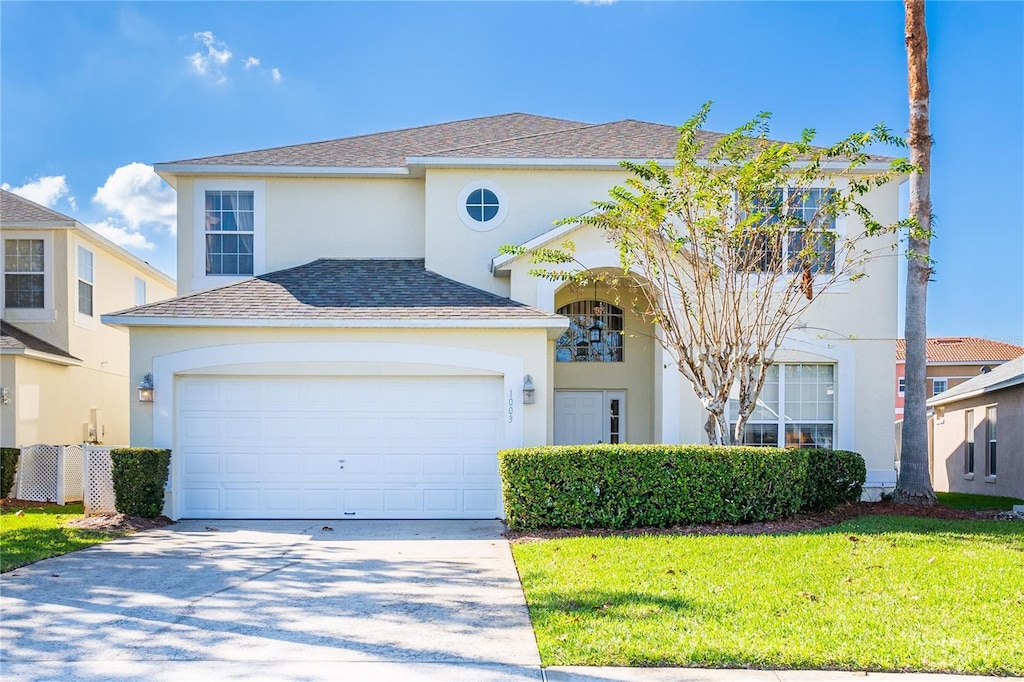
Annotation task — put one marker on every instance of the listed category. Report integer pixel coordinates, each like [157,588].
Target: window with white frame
[24,273]
[796,408]
[140,291]
[939,385]
[990,453]
[809,243]
[85,281]
[902,385]
[230,232]
[969,442]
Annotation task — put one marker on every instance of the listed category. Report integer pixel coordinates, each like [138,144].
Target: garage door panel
[413,447]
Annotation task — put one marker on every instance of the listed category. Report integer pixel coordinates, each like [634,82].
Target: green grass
[39,534]
[977,502]
[874,593]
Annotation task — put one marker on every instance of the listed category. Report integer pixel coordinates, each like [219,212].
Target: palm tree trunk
[914,484]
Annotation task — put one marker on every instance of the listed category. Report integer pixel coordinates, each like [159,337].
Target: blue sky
[94,93]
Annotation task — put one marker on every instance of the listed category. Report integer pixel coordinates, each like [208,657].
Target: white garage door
[339,447]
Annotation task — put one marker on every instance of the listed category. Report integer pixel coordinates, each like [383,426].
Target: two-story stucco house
[348,343]
[64,375]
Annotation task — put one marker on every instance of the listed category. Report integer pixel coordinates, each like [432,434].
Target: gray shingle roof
[16,209]
[13,338]
[390,149]
[1008,374]
[338,289]
[512,136]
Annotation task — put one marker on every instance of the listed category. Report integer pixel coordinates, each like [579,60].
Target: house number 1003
[511,402]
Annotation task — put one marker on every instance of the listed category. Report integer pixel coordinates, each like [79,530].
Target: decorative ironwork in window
[595,333]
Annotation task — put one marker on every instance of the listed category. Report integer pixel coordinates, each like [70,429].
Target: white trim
[168,171]
[48,313]
[200,280]
[1007,383]
[498,263]
[166,367]
[39,355]
[368,323]
[844,423]
[611,162]
[468,220]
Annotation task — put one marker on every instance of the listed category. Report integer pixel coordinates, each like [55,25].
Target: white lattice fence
[49,473]
[98,483]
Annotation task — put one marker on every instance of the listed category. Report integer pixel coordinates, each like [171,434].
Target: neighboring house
[64,375]
[348,342]
[970,454]
[952,360]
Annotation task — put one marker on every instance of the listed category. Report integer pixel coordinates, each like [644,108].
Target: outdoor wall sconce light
[595,332]
[146,389]
[529,392]
[5,395]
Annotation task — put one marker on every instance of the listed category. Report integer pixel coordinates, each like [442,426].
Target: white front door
[583,417]
[339,447]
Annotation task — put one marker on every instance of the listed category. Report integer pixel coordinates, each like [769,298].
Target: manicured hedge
[834,477]
[623,486]
[8,467]
[139,476]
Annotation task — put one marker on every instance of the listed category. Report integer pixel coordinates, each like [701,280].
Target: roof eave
[552,322]
[1006,383]
[170,171]
[68,361]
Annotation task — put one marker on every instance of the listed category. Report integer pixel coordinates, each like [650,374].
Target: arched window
[595,333]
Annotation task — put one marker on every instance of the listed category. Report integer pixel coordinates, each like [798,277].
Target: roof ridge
[374,134]
[514,138]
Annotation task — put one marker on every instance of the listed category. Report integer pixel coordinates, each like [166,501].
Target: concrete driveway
[401,600]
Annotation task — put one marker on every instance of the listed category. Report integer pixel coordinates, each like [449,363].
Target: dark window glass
[230,219]
[23,291]
[85,298]
[482,205]
[969,441]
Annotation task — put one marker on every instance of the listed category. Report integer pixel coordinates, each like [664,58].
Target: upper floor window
[85,281]
[24,270]
[805,243]
[140,291]
[902,385]
[939,385]
[482,206]
[230,231]
[969,442]
[595,333]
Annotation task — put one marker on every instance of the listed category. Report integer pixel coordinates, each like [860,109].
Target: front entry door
[583,417]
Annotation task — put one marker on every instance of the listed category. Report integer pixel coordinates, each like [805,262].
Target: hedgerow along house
[347,341]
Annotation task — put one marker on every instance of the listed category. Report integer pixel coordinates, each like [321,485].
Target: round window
[482,206]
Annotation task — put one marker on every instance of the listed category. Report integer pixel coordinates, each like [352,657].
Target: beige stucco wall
[536,199]
[949,463]
[50,401]
[528,344]
[309,218]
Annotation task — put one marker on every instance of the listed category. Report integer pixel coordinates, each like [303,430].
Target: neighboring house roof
[506,136]
[1004,376]
[339,292]
[962,350]
[17,209]
[15,340]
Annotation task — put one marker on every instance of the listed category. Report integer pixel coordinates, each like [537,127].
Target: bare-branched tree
[733,244]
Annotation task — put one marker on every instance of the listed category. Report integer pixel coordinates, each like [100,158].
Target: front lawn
[977,502]
[873,593]
[39,534]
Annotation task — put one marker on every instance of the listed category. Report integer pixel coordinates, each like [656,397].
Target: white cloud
[138,195]
[251,62]
[46,190]
[216,58]
[276,73]
[122,236]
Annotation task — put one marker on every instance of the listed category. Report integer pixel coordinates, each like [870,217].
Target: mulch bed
[792,524]
[104,522]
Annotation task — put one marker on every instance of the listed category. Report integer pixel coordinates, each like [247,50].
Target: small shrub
[834,477]
[139,476]
[8,467]
[622,486]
